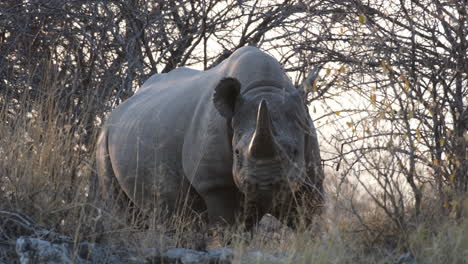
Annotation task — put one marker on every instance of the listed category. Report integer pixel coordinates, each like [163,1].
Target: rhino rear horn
[262,144]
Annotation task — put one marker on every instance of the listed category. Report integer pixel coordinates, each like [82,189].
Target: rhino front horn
[262,144]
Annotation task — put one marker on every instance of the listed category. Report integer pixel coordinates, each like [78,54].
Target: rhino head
[268,126]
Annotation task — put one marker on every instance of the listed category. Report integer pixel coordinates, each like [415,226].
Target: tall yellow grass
[46,172]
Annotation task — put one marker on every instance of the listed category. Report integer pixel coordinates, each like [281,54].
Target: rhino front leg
[221,205]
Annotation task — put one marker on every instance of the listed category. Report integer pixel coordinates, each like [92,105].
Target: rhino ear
[225,96]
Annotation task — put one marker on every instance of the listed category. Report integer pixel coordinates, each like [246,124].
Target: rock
[253,256]
[33,250]
[98,254]
[153,239]
[407,258]
[184,256]
[271,229]
[37,250]
[35,244]
[256,256]
[151,253]
[221,255]
[189,256]
[269,223]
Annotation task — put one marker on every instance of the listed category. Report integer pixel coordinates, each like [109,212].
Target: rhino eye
[237,152]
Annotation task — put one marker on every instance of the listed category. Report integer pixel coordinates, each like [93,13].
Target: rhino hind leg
[170,201]
[110,193]
[104,167]
[107,185]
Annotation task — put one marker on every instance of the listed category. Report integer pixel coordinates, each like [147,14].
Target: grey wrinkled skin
[236,139]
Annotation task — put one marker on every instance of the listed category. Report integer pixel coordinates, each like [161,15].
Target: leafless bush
[404,67]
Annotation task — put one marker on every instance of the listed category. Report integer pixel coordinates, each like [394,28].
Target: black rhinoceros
[236,136]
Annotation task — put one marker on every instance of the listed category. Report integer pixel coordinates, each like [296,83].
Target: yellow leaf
[328,71]
[446,205]
[314,86]
[442,142]
[389,144]
[350,124]
[436,162]
[407,86]
[384,64]
[315,110]
[373,98]
[342,30]
[381,116]
[401,165]
[454,204]
[337,112]
[342,226]
[418,135]
[453,214]
[362,19]
[342,69]
[452,178]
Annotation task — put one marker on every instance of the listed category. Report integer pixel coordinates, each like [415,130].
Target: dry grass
[44,166]
[46,171]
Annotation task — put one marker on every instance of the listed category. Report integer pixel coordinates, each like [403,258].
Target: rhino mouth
[265,176]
